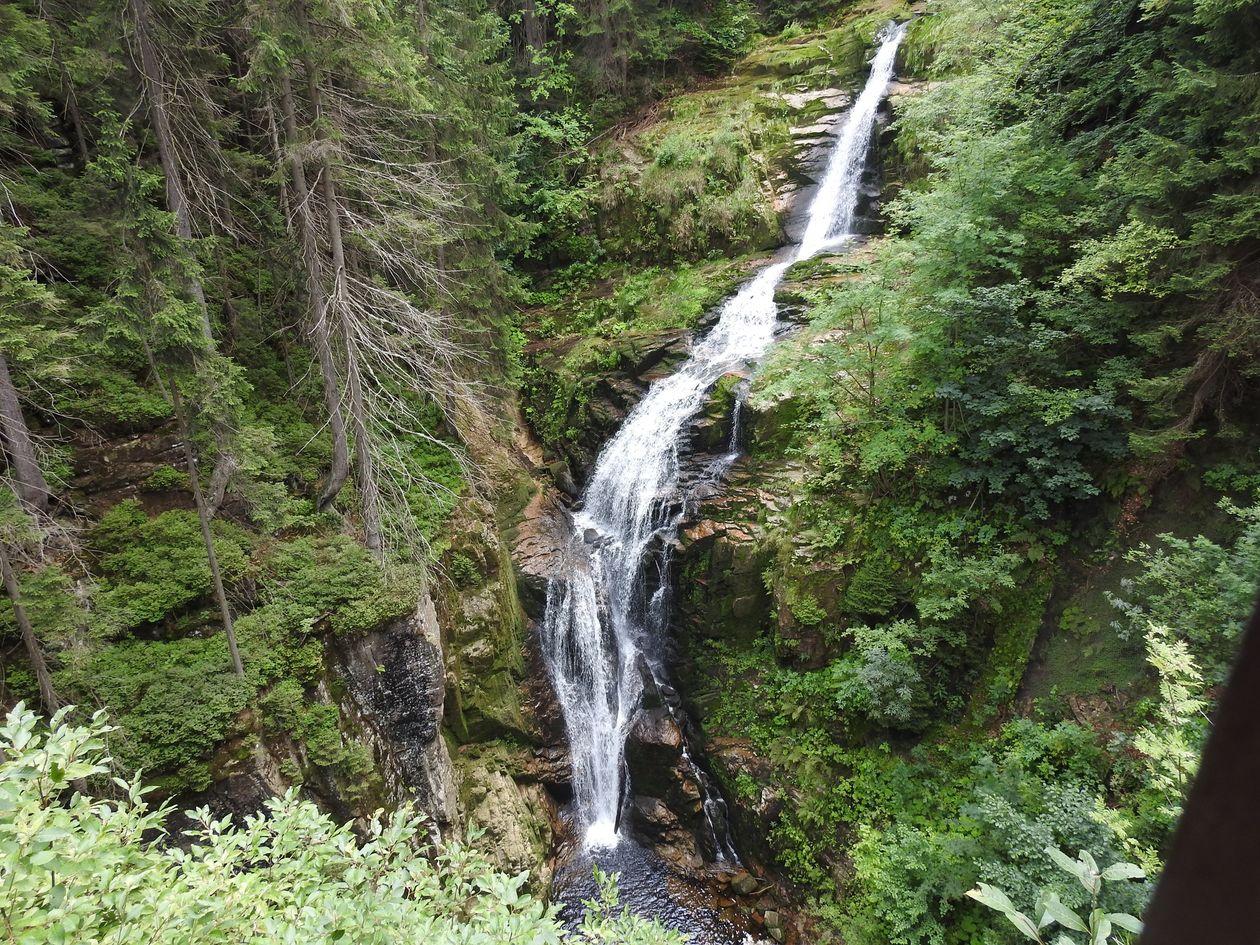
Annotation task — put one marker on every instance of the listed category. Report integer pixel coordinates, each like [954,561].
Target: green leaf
[1125,921]
[1063,861]
[1123,871]
[1101,926]
[1084,869]
[1060,913]
[1025,925]
[992,897]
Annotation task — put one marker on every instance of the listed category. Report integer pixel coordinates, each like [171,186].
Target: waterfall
[601,628]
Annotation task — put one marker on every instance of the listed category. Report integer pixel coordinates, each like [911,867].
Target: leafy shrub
[1200,589]
[152,568]
[910,881]
[166,479]
[175,702]
[78,867]
[334,579]
[1096,924]
[879,682]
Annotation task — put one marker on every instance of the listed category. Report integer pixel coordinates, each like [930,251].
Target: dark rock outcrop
[394,687]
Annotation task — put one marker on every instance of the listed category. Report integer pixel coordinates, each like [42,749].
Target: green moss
[333,580]
[173,701]
[166,479]
[153,569]
[1017,624]
[112,399]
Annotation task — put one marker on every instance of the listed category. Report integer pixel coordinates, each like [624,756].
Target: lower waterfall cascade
[605,619]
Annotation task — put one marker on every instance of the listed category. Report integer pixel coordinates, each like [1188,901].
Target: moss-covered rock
[510,816]
[714,170]
[483,633]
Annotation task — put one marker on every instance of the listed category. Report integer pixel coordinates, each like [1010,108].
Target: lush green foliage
[152,568]
[1203,590]
[1051,910]
[83,867]
[984,404]
[1061,320]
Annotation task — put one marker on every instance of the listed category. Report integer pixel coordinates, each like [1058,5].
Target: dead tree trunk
[320,329]
[365,465]
[32,488]
[154,81]
[203,511]
[207,536]
[34,652]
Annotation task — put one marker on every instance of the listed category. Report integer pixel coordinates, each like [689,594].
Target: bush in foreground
[85,869]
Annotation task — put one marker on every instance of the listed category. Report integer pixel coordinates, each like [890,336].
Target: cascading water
[602,625]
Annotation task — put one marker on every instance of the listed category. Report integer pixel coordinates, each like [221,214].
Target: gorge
[734,471]
[606,619]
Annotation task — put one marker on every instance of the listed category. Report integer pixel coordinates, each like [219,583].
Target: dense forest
[315,315]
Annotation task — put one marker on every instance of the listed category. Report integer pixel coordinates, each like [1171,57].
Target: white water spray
[601,625]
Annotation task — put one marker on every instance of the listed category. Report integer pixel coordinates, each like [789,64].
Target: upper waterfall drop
[831,212]
[600,625]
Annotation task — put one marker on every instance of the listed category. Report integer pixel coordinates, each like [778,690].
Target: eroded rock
[515,820]
[394,689]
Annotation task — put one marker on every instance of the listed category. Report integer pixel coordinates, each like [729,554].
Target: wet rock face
[814,142]
[484,632]
[248,776]
[736,761]
[537,549]
[388,686]
[722,593]
[109,471]
[394,688]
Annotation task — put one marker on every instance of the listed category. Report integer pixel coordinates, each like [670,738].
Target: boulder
[514,820]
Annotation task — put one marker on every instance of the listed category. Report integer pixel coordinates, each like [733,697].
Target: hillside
[327,331]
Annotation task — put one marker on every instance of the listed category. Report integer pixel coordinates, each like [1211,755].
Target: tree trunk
[365,465]
[72,112]
[203,515]
[534,30]
[154,82]
[320,332]
[155,93]
[32,488]
[34,652]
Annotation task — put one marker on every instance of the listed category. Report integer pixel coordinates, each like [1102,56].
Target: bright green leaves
[174,703]
[1125,262]
[79,867]
[154,568]
[1051,910]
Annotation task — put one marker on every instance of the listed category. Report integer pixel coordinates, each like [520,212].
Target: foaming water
[602,626]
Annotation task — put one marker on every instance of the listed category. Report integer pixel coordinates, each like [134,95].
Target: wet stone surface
[704,907]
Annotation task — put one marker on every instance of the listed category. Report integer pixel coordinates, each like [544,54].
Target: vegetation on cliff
[82,868]
[274,277]
[998,627]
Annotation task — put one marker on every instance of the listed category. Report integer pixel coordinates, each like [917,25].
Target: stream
[606,621]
